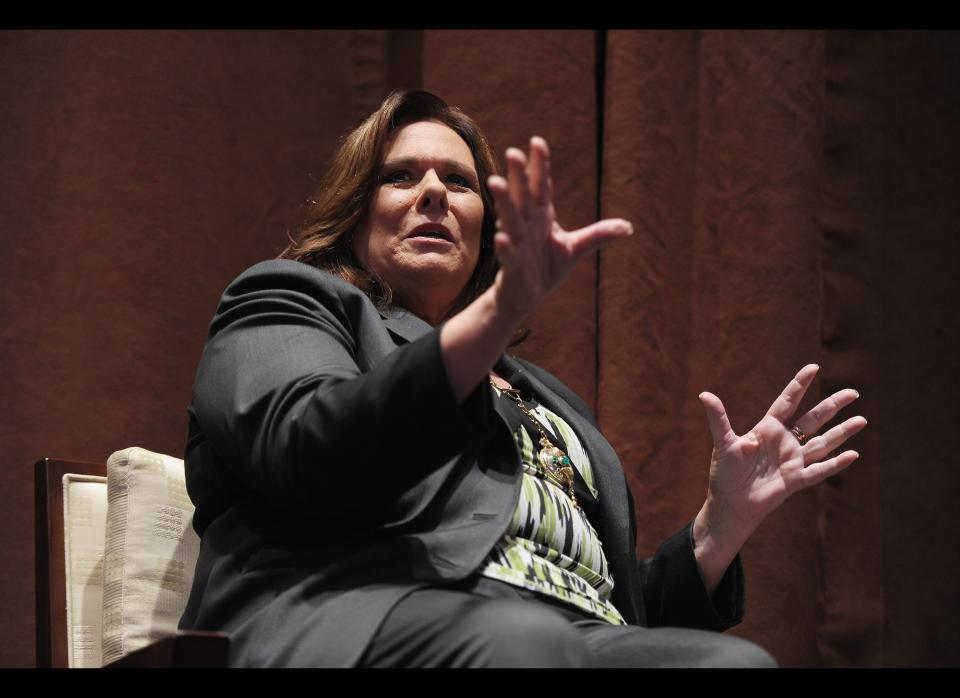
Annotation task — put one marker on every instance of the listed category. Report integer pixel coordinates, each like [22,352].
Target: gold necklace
[552,463]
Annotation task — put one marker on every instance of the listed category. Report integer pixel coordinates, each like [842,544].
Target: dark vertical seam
[871,366]
[820,638]
[600,58]
[696,304]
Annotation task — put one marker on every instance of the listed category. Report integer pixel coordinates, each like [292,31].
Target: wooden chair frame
[184,649]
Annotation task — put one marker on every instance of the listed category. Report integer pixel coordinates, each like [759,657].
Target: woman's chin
[435,268]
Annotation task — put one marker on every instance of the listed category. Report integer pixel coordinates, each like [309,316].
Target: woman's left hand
[754,473]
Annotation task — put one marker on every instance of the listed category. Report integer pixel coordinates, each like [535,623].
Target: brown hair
[343,199]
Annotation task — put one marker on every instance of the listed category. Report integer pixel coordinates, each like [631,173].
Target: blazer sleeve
[282,400]
[674,592]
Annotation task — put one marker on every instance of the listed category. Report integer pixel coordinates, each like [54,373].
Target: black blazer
[333,472]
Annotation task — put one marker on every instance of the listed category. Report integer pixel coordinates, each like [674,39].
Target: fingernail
[857,393]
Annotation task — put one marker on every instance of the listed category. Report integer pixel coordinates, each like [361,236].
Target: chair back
[115,556]
[150,553]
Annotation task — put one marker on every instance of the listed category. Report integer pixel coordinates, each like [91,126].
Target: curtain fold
[891,240]
[713,150]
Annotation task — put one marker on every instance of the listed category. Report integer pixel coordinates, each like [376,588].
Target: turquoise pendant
[557,467]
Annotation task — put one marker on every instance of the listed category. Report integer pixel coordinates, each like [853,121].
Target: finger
[818,472]
[819,446]
[540,184]
[504,250]
[579,242]
[508,219]
[785,405]
[517,178]
[717,418]
[811,422]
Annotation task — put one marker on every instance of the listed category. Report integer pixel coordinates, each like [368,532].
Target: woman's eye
[397,176]
[406,177]
[459,180]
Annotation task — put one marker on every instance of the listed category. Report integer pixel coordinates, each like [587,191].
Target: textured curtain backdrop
[712,148]
[890,223]
[794,199]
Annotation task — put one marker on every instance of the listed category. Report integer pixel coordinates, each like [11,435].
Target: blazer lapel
[607,470]
[603,459]
[403,324]
[608,473]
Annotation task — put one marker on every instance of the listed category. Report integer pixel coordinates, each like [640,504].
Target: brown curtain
[794,200]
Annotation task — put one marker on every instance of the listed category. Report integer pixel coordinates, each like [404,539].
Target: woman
[377,483]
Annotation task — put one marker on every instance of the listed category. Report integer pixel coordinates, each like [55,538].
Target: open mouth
[431,233]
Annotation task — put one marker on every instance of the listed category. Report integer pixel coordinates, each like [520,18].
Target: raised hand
[752,474]
[534,252]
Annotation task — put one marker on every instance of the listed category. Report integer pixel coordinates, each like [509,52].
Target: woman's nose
[433,195]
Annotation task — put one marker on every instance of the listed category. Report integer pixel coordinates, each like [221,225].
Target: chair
[115,553]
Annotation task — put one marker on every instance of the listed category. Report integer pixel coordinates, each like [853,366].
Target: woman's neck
[427,309]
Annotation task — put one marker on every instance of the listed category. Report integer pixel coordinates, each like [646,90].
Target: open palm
[534,252]
[752,474]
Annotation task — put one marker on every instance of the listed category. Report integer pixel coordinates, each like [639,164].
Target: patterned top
[550,547]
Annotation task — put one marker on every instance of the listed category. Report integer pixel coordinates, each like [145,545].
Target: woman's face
[422,232]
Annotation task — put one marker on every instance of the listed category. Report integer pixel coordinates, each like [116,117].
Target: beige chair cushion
[151,550]
[84,517]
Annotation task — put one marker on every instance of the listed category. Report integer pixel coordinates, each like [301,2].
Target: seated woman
[378,483]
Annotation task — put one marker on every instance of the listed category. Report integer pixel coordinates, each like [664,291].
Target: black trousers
[486,623]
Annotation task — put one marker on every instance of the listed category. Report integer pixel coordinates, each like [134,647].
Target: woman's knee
[715,650]
[632,646]
[521,634]
[735,652]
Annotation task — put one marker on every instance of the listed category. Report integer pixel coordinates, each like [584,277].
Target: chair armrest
[185,649]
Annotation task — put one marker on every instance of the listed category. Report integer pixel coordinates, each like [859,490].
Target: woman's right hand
[534,252]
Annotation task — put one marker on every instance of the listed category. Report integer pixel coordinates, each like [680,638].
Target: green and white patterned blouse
[550,547]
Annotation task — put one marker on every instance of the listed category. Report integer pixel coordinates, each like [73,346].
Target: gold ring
[801,437]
